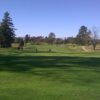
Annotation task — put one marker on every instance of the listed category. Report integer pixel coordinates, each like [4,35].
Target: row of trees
[85,36]
[50,39]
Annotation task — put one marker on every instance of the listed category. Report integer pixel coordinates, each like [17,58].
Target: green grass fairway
[66,73]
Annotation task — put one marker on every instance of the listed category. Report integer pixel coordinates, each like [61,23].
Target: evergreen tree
[1,37]
[7,31]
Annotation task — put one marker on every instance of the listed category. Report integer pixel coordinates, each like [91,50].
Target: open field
[65,73]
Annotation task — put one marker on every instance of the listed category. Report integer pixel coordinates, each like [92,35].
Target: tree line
[85,36]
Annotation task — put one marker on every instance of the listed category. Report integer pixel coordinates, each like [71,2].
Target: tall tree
[7,31]
[27,38]
[51,38]
[83,36]
[1,37]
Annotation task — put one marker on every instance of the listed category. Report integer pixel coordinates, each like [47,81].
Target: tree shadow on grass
[61,68]
[27,63]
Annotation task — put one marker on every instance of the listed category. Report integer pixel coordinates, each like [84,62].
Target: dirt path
[83,48]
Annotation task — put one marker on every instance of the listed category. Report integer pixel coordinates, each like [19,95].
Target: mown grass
[63,74]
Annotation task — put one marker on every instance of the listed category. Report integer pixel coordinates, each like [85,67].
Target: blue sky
[40,17]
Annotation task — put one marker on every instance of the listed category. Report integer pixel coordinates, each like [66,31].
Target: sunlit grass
[66,73]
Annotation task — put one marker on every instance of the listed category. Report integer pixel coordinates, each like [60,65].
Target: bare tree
[94,37]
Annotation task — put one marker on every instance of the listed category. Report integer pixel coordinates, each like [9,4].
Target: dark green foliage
[37,40]
[70,40]
[21,44]
[7,32]
[1,37]
[51,38]
[59,41]
[27,38]
[83,37]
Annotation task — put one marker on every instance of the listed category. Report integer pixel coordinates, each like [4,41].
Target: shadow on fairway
[28,63]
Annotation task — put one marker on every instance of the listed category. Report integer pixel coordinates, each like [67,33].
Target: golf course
[53,72]
[49,50]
